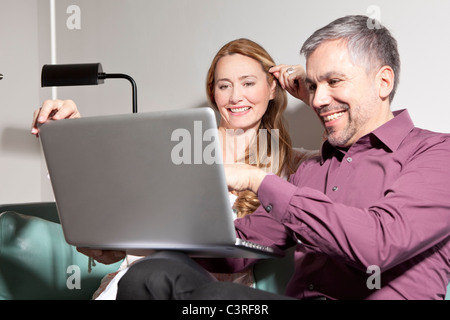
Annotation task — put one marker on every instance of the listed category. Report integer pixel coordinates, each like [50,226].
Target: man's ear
[385,79]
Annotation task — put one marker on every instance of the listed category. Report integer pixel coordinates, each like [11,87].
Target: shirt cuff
[275,194]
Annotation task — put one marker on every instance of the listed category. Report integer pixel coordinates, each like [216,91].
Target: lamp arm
[103,75]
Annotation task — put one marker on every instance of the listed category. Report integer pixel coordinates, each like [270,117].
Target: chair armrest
[44,210]
[36,261]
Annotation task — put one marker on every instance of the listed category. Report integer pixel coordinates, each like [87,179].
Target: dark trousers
[174,276]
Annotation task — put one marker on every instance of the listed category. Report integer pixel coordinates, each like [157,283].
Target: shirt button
[269,208]
[335,188]
[349,159]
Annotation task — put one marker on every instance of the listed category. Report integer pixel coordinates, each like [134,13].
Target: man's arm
[412,217]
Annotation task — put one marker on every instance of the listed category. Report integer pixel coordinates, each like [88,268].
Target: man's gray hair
[370,45]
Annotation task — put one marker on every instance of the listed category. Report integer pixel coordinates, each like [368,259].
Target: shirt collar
[391,134]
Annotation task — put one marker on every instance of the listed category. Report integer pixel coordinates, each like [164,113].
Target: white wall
[167,46]
[20,161]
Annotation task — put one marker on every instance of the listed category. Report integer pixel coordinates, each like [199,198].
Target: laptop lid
[141,181]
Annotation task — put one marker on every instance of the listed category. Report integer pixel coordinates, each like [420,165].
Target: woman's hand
[54,110]
[242,177]
[292,78]
[103,256]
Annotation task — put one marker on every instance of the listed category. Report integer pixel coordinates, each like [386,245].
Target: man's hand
[242,177]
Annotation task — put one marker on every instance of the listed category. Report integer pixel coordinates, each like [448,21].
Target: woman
[251,103]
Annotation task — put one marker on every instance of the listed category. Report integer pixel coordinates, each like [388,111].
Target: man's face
[343,94]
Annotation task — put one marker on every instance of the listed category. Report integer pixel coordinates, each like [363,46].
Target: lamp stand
[103,75]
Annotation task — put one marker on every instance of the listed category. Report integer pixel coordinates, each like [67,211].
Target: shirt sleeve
[413,215]
[260,227]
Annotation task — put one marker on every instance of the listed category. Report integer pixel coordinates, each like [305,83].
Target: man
[370,217]
[376,198]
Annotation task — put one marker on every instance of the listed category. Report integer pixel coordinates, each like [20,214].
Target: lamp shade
[82,74]
[71,74]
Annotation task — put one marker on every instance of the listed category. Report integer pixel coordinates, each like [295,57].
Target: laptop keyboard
[253,245]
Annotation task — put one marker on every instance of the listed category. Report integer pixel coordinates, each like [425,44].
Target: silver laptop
[141,182]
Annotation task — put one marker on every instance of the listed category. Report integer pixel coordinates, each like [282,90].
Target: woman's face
[241,92]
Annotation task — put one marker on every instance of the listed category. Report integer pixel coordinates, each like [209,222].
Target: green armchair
[37,263]
[35,260]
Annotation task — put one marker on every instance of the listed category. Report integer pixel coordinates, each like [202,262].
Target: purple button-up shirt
[383,205]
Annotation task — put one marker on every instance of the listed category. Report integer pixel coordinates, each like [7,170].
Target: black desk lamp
[82,74]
